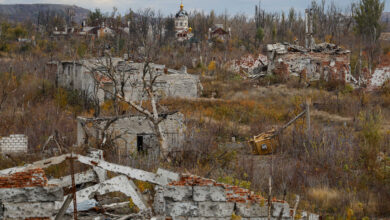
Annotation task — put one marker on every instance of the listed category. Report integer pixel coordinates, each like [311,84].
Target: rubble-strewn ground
[343,166]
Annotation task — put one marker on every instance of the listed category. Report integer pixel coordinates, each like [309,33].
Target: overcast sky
[171,6]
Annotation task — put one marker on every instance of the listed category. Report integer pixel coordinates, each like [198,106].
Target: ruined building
[133,133]
[89,77]
[325,61]
[26,193]
[310,62]
[217,32]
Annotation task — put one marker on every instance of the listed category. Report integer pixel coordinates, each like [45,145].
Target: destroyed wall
[326,62]
[248,64]
[379,77]
[193,197]
[136,132]
[76,75]
[27,195]
[16,143]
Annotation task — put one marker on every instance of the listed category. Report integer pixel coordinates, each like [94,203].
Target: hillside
[24,12]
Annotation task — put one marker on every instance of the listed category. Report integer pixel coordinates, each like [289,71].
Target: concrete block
[184,209]
[167,176]
[216,209]
[282,209]
[251,210]
[209,193]
[178,193]
[312,216]
[31,194]
[29,210]
[159,201]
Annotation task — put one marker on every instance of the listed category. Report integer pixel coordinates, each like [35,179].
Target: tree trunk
[164,150]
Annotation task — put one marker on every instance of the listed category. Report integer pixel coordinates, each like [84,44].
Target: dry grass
[324,197]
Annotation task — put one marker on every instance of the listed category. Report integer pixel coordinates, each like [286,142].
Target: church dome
[182,12]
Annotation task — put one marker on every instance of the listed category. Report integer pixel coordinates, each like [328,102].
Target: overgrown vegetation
[341,169]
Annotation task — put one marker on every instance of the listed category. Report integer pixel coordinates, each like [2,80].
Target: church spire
[181,6]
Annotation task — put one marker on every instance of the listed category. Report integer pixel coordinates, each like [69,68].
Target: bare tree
[136,87]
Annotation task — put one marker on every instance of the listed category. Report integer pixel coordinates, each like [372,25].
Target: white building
[183,32]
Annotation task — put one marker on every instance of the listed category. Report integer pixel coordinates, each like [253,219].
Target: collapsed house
[26,193]
[15,143]
[324,61]
[133,133]
[249,65]
[90,77]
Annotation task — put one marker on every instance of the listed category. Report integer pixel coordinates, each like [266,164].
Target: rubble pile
[324,61]
[196,197]
[26,193]
[249,65]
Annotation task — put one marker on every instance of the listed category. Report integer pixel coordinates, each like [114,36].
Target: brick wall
[193,197]
[30,178]
[16,143]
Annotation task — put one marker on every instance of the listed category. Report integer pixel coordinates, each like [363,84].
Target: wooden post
[64,207]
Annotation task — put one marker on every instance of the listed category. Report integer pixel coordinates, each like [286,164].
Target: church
[183,32]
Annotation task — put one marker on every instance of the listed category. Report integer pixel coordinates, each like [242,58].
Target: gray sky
[171,6]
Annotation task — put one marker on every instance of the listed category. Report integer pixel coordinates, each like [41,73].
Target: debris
[177,195]
[324,61]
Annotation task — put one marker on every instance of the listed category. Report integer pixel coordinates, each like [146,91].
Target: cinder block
[184,209]
[251,210]
[282,209]
[178,193]
[28,210]
[31,194]
[209,193]
[216,209]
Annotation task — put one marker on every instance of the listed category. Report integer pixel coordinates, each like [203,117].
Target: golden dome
[190,29]
[181,6]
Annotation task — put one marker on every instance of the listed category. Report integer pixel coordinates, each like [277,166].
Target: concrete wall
[26,195]
[16,143]
[77,76]
[128,128]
